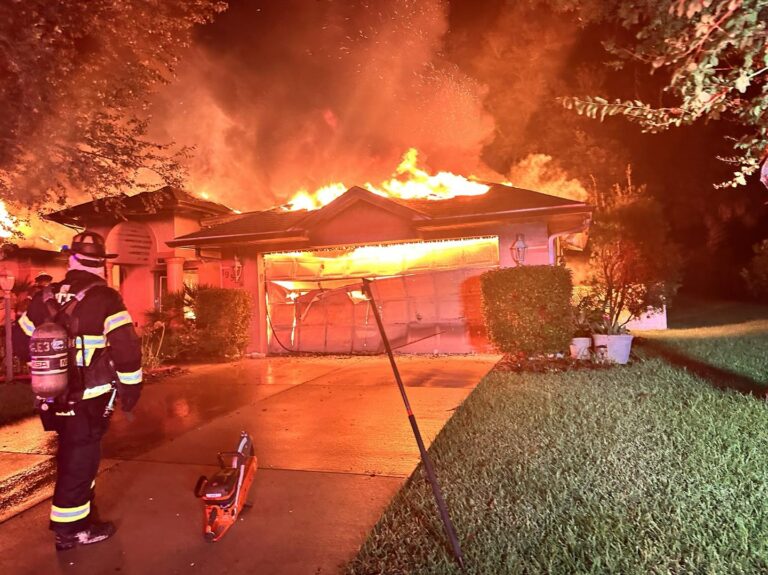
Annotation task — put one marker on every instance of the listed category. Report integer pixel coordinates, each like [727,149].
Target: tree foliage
[755,275]
[633,265]
[75,83]
[713,58]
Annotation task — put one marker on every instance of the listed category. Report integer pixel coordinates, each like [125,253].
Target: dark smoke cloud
[528,53]
[282,95]
[522,52]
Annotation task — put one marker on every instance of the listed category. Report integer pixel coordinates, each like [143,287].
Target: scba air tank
[49,360]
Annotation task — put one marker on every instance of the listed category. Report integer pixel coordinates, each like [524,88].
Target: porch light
[238,269]
[6,284]
[6,281]
[518,249]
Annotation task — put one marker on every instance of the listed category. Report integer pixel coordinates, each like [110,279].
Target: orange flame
[8,224]
[408,182]
[26,229]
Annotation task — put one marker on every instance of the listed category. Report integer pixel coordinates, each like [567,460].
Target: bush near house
[527,309]
[198,322]
[222,319]
[634,266]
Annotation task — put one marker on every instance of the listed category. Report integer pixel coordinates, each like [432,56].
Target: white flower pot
[581,347]
[617,347]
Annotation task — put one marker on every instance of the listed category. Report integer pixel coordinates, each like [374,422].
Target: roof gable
[350,215]
[116,208]
[360,197]
[361,222]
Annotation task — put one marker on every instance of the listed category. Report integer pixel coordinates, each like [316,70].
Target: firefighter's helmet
[89,245]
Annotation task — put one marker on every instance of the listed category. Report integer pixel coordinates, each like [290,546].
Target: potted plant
[633,265]
[612,342]
[581,342]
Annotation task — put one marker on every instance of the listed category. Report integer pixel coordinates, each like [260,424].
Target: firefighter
[42,280]
[107,365]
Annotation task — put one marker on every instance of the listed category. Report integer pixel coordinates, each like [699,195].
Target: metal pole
[450,531]
[8,340]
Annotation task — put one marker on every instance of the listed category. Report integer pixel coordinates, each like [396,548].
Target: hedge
[222,320]
[527,309]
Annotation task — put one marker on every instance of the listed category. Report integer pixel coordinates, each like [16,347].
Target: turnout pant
[80,428]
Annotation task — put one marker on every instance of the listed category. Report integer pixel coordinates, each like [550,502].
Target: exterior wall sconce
[518,250]
[238,269]
[6,284]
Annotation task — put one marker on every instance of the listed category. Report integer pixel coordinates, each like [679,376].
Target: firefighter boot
[94,533]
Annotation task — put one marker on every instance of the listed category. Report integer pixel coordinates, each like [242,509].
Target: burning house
[137,228]
[25,262]
[30,247]
[424,240]
[304,267]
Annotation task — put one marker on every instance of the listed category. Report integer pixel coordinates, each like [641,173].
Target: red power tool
[225,492]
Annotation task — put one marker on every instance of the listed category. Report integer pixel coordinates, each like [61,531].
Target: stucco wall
[361,223]
[536,238]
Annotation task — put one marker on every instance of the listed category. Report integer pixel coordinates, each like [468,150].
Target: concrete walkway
[333,444]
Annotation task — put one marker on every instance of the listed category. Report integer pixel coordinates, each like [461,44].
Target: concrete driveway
[333,443]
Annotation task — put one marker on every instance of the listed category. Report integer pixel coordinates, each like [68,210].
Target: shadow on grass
[717,376]
[692,313]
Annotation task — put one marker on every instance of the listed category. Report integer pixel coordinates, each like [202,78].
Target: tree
[76,78]
[755,274]
[633,265]
[713,61]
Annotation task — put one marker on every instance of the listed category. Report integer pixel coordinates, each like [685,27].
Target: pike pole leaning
[450,531]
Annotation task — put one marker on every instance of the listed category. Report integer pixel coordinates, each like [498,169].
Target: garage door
[428,294]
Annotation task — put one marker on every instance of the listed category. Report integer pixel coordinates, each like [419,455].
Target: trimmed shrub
[222,317]
[528,309]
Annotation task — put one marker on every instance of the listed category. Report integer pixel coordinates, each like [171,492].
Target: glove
[129,396]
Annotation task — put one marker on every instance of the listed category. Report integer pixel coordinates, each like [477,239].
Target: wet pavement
[333,444]
[169,407]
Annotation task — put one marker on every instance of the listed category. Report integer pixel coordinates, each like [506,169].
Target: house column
[174,269]
[253,281]
[109,268]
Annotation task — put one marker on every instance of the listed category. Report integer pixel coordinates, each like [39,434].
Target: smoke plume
[277,96]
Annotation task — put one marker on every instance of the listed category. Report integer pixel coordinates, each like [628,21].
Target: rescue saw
[225,493]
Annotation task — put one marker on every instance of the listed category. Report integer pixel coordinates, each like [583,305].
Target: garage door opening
[429,295]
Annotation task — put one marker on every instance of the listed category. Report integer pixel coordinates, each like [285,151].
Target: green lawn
[728,335]
[633,470]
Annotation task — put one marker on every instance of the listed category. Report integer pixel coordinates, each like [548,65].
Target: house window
[191,278]
[118,274]
[161,289]
[559,251]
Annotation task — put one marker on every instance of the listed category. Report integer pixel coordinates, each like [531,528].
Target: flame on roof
[409,181]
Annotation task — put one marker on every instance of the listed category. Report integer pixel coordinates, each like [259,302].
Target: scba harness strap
[55,354]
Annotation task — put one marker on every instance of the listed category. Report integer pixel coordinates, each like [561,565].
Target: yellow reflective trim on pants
[130,377]
[70,514]
[92,392]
